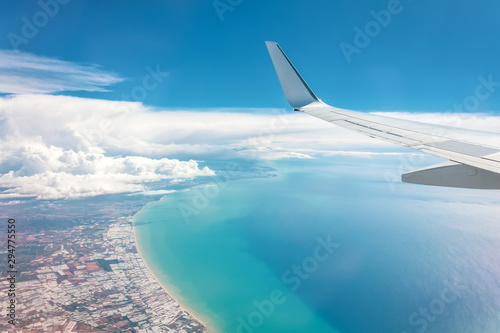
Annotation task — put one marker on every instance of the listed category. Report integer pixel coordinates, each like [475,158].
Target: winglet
[296,90]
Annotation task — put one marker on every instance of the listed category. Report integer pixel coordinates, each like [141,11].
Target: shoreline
[208,328]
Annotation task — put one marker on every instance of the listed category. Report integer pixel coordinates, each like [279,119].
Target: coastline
[167,287]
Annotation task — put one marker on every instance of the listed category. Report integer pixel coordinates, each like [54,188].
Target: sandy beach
[169,288]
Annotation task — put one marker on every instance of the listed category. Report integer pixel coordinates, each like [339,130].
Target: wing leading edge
[473,156]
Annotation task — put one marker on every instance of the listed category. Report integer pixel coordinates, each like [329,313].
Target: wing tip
[296,90]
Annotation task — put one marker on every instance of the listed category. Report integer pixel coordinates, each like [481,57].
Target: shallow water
[313,250]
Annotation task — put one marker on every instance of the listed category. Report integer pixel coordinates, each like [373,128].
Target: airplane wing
[472,157]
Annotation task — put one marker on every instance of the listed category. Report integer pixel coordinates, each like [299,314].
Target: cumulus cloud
[22,73]
[54,147]
[54,173]
[46,152]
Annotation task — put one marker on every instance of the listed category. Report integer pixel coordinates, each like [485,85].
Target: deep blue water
[402,258]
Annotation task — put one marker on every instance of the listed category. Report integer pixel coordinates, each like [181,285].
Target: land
[87,277]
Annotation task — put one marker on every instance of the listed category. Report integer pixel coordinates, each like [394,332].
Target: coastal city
[89,278]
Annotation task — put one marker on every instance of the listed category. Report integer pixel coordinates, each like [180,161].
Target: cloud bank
[25,73]
[57,147]
[47,152]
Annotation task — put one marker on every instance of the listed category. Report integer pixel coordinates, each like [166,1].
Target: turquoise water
[250,256]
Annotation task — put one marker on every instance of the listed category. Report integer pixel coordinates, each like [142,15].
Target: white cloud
[45,152]
[25,73]
[54,173]
[157,192]
[55,147]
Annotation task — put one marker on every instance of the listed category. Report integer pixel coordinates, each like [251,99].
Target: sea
[335,244]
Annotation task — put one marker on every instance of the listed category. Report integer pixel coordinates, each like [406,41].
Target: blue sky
[427,58]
